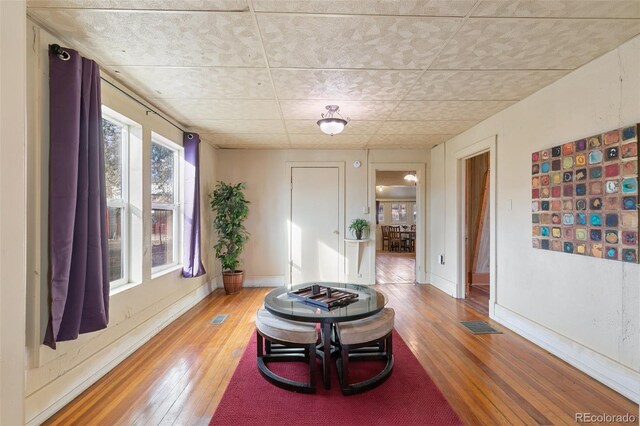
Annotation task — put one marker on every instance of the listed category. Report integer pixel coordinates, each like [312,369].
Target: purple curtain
[193,266]
[78,261]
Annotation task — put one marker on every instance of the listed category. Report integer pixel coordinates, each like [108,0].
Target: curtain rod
[147,107]
[64,55]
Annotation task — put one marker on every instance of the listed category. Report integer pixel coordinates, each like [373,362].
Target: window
[116,148]
[165,204]
[398,212]
[380,212]
[415,212]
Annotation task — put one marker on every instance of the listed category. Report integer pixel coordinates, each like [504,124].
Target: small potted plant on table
[231,209]
[358,226]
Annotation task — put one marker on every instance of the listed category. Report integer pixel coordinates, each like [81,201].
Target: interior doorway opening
[477,232]
[396,219]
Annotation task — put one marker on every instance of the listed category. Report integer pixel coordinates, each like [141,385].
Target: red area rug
[408,397]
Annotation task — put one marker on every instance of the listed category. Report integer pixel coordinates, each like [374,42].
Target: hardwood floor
[395,267]
[478,298]
[180,375]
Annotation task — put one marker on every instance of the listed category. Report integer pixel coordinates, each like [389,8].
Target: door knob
[336,232]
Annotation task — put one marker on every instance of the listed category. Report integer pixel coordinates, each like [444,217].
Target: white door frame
[341,211]
[485,145]
[421,246]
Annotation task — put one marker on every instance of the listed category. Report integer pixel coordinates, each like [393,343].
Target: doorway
[315,222]
[396,218]
[477,232]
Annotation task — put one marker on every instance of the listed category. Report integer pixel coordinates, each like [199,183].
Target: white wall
[12,210]
[585,310]
[53,378]
[265,172]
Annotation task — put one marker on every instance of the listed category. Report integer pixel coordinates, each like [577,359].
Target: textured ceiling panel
[447,110]
[407,141]
[409,73]
[310,127]
[485,85]
[532,43]
[343,84]
[559,8]
[159,38]
[311,110]
[320,138]
[205,82]
[219,109]
[238,126]
[368,7]
[424,127]
[246,139]
[217,5]
[386,42]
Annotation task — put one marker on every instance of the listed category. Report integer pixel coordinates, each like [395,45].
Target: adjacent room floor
[180,375]
[395,267]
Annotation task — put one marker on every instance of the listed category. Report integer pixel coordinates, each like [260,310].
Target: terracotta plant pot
[233,281]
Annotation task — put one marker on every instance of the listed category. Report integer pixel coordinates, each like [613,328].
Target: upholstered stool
[365,339]
[280,338]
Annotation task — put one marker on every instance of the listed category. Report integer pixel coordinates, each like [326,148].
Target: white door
[315,220]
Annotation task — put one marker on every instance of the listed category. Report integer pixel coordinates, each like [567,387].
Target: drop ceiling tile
[311,110]
[209,5]
[381,42]
[158,38]
[355,127]
[322,140]
[359,7]
[425,127]
[559,8]
[201,82]
[343,84]
[407,141]
[447,110]
[505,43]
[237,126]
[238,139]
[189,110]
[485,85]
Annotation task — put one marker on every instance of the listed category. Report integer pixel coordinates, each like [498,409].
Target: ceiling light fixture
[411,178]
[332,125]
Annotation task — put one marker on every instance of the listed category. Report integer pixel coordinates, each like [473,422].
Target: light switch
[365,210]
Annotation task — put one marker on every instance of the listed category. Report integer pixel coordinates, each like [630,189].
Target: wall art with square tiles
[585,196]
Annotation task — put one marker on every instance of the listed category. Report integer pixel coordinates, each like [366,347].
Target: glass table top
[369,302]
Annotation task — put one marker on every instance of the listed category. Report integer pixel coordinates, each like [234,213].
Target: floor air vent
[219,319]
[480,327]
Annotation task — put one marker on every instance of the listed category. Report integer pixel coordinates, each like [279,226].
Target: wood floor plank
[180,375]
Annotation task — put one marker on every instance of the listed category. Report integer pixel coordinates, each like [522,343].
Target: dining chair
[395,241]
[385,235]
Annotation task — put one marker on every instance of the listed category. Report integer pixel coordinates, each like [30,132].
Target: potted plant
[231,209]
[358,226]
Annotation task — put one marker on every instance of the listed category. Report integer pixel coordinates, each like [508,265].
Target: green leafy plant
[231,209]
[358,226]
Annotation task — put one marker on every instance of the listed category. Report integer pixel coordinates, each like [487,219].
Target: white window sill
[122,288]
[164,270]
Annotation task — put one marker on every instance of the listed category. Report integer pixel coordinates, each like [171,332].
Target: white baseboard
[443,284]
[109,358]
[618,377]
[257,281]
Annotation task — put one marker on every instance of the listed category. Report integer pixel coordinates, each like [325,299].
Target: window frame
[399,204]
[177,206]
[123,202]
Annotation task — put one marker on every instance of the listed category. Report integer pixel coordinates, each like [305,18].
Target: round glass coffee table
[369,302]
